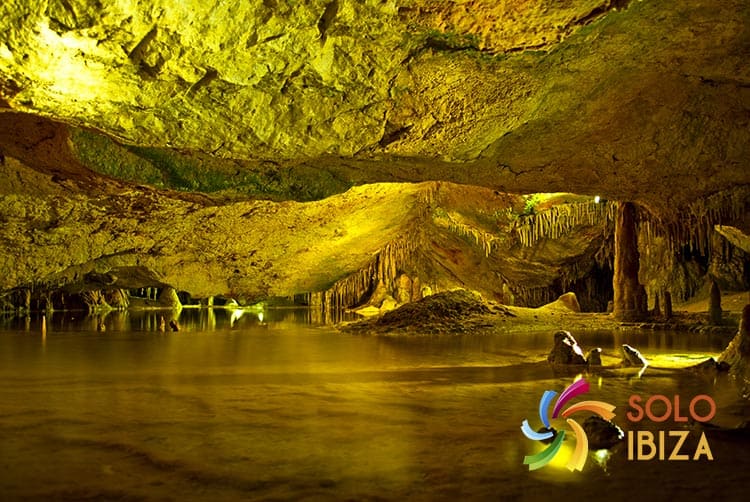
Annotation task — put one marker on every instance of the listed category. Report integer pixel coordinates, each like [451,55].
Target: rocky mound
[456,311]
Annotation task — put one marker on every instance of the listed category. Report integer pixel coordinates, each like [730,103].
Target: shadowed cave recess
[352,155]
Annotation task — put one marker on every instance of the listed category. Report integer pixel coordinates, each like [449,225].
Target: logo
[578,458]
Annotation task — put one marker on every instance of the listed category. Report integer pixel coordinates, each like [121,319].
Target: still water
[287,409]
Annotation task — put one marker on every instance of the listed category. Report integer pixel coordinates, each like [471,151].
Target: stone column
[714,304]
[628,302]
[168,298]
[667,304]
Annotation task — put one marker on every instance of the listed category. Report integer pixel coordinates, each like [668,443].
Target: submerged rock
[566,350]
[632,357]
[602,433]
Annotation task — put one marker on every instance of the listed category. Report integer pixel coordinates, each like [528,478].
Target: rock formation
[417,90]
[601,433]
[566,350]
[632,356]
[629,294]
[737,353]
[714,304]
[239,148]
[594,357]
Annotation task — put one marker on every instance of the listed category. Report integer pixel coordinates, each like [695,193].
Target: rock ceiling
[642,100]
[631,100]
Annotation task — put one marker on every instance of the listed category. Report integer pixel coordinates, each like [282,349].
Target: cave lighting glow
[66,68]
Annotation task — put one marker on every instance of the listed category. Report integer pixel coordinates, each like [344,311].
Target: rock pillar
[168,298]
[714,304]
[667,305]
[737,353]
[628,303]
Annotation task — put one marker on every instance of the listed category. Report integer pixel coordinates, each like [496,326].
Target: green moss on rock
[196,172]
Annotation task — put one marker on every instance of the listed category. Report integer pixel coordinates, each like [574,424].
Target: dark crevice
[325,21]
[727,81]
[136,55]
[393,134]
[601,11]
[272,37]
[208,77]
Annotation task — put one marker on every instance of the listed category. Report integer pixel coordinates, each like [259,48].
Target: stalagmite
[168,298]
[628,296]
[657,308]
[667,305]
[714,304]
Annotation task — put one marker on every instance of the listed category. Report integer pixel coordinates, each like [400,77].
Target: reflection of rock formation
[737,353]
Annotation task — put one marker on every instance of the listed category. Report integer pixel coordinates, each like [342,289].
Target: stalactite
[560,220]
[692,226]
[534,296]
[386,266]
[482,238]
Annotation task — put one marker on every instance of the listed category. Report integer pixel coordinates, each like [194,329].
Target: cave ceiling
[640,100]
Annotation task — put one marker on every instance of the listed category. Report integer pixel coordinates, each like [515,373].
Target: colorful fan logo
[578,458]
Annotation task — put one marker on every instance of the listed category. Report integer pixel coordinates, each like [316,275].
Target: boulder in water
[632,357]
[602,433]
[595,357]
[566,350]
[709,364]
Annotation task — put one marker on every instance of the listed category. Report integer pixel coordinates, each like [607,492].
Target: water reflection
[281,408]
[189,319]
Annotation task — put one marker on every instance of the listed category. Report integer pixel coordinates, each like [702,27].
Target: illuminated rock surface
[589,96]
[148,106]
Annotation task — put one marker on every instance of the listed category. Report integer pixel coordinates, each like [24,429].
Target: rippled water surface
[285,409]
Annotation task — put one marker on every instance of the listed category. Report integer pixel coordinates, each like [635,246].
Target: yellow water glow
[601,457]
[560,461]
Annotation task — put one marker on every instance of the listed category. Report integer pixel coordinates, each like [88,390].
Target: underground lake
[287,408]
